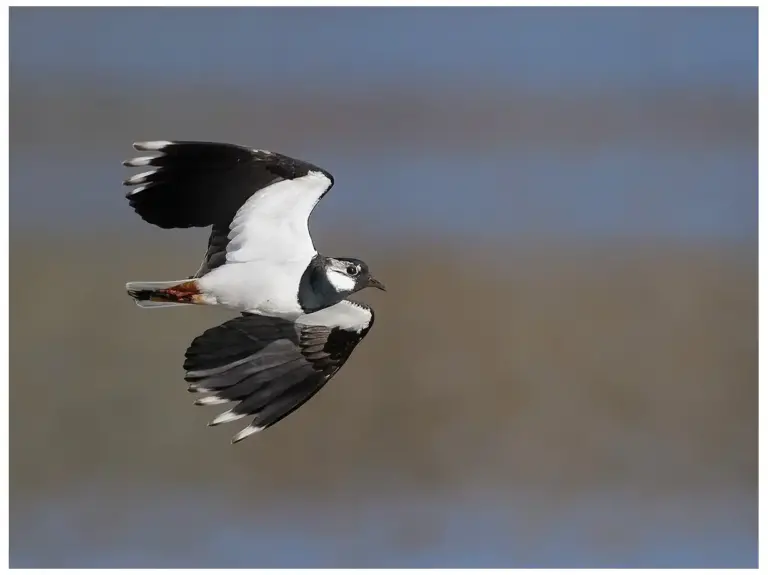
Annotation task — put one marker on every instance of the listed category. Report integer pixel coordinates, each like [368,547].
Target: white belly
[257,287]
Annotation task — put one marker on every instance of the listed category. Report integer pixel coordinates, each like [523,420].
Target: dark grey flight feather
[269,366]
[201,184]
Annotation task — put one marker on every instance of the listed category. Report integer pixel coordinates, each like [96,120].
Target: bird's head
[348,275]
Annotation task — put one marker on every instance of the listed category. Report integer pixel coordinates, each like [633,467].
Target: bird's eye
[352,270]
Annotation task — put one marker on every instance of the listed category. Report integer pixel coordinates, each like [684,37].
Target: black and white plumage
[297,328]
[271,366]
[260,256]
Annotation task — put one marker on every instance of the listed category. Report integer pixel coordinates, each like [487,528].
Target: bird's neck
[316,292]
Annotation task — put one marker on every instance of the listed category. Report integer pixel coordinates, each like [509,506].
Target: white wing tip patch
[137,162]
[226,417]
[154,146]
[194,388]
[211,400]
[250,430]
[137,190]
[139,178]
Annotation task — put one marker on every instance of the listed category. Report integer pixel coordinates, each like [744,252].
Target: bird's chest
[266,289]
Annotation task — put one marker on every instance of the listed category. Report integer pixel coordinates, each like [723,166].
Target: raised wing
[271,366]
[257,202]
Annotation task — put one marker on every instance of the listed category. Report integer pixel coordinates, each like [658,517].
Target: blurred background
[563,205]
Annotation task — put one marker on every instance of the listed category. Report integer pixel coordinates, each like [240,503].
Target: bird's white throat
[340,281]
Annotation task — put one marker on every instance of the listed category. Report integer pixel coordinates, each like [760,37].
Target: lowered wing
[269,367]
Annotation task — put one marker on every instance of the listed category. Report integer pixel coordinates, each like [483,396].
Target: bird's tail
[165,294]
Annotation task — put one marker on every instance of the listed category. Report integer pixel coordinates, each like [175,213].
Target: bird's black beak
[373,282]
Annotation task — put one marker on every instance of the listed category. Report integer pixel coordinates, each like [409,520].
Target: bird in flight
[297,327]
[260,256]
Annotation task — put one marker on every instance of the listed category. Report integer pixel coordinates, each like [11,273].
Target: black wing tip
[171,146]
[271,407]
[287,166]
